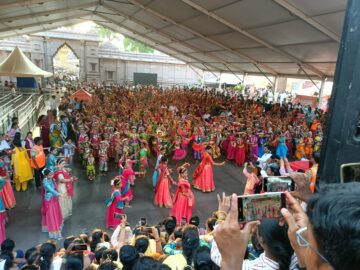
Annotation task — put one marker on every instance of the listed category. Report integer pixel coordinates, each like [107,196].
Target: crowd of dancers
[124,128]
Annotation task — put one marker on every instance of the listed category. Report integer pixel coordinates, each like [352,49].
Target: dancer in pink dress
[162,189]
[128,176]
[52,220]
[183,197]
[7,192]
[115,204]
[203,175]
[231,150]
[240,154]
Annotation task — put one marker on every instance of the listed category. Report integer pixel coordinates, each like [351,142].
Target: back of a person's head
[68,240]
[211,222]
[128,256]
[276,239]
[32,255]
[335,223]
[110,254]
[17,139]
[170,225]
[146,263]
[47,251]
[141,244]
[73,263]
[202,259]
[99,253]
[107,266]
[195,220]
[190,242]
[7,245]
[96,239]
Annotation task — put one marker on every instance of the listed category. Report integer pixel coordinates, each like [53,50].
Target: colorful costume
[2,213]
[128,175]
[156,173]
[240,154]
[52,220]
[55,139]
[183,201]
[7,193]
[115,207]
[162,189]
[231,148]
[22,169]
[66,190]
[281,149]
[203,175]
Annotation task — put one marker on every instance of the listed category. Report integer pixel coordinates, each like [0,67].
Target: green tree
[131,45]
[103,32]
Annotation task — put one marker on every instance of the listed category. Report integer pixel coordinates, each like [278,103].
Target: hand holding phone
[259,206]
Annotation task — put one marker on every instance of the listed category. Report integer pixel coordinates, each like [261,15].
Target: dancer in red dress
[183,197]
[240,154]
[203,175]
[162,190]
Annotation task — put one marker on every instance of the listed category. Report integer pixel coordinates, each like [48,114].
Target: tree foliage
[103,32]
[131,45]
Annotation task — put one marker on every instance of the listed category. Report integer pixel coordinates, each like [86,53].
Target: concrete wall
[99,63]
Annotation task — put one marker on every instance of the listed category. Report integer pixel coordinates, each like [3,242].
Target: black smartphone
[259,206]
[142,221]
[350,172]
[278,184]
[78,247]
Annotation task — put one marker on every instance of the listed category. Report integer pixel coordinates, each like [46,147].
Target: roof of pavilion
[274,37]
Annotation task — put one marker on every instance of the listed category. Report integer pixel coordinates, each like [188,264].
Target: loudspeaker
[341,142]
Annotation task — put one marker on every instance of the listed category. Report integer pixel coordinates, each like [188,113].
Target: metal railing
[27,112]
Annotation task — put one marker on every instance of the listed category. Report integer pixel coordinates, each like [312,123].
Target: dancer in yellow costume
[21,164]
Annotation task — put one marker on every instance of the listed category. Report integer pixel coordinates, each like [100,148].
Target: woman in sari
[43,122]
[7,193]
[183,197]
[2,212]
[128,178]
[240,154]
[156,173]
[162,189]
[55,131]
[21,165]
[52,220]
[203,175]
[300,149]
[115,204]
[65,188]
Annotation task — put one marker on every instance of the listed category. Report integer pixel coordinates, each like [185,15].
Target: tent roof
[274,37]
[81,94]
[18,65]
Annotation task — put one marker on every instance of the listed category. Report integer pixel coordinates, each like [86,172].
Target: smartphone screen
[259,206]
[278,184]
[350,172]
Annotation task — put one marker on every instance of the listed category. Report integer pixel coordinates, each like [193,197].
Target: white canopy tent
[18,65]
[278,38]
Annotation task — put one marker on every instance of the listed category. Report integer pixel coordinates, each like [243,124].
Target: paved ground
[89,210]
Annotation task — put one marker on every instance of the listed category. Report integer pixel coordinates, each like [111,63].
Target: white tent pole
[220,81]
[321,92]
